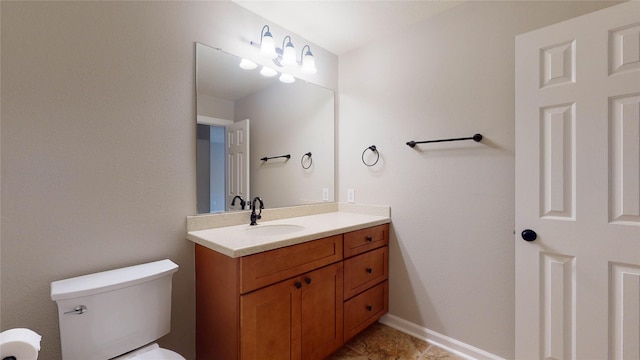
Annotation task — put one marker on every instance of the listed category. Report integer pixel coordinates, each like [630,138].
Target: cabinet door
[270,322]
[322,312]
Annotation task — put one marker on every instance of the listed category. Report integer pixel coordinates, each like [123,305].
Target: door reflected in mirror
[243,117]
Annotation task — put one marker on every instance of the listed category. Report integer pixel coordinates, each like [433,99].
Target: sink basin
[275,229]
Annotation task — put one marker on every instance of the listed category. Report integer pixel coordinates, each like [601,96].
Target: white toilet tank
[107,314]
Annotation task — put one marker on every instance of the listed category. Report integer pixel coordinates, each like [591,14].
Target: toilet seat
[151,352]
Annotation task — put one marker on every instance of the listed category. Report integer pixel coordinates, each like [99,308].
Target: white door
[578,188]
[237,145]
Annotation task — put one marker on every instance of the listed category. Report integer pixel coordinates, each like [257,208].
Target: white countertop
[236,241]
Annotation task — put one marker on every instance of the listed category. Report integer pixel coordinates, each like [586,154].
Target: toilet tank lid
[110,280]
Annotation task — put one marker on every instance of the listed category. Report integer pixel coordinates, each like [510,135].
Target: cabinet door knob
[369,307]
[298,284]
[307,280]
[369,239]
[369,270]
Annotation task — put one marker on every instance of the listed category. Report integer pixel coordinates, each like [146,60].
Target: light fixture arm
[266,45]
[262,33]
[284,41]
[286,54]
[302,53]
[266,27]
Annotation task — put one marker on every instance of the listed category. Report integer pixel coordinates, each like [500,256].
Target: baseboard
[451,345]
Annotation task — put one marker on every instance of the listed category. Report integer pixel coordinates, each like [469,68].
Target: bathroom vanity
[298,290]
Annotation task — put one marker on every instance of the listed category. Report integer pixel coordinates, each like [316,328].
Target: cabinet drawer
[357,242]
[269,267]
[365,270]
[365,309]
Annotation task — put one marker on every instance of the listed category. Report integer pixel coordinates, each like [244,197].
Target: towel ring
[307,155]
[375,150]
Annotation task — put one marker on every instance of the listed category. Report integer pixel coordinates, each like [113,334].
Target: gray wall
[98,144]
[292,119]
[452,253]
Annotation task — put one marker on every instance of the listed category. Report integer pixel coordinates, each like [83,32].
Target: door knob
[529,235]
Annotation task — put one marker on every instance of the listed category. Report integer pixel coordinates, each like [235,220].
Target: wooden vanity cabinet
[297,302]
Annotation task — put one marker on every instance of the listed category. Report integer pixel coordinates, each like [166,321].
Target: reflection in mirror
[242,117]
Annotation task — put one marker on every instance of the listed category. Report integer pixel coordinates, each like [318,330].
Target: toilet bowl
[116,313]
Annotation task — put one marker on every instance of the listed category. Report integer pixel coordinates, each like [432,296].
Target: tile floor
[380,342]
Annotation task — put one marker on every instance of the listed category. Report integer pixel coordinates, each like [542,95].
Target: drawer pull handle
[307,280]
[369,270]
[369,307]
[298,284]
[369,238]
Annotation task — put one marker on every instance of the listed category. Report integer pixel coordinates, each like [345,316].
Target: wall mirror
[243,117]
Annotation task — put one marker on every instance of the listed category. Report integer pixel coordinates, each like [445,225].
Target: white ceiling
[341,26]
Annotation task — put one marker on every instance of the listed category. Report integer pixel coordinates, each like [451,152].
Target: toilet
[116,314]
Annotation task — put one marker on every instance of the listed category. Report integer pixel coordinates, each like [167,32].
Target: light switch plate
[325,194]
[351,196]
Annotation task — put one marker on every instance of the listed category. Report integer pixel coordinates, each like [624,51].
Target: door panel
[557,170]
[624,162]
[578,187]
[625,319]
[237,145]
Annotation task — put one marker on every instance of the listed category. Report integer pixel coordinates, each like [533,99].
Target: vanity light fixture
[268,72]
[286,55]
[247,64]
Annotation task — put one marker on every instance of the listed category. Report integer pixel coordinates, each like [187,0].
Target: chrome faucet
[254,216]
[242,202]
